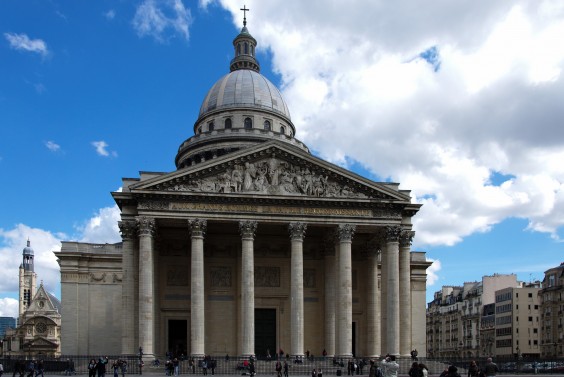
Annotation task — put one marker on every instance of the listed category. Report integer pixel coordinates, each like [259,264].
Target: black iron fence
[222,364]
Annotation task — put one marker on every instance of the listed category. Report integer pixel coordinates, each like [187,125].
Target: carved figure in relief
[250,174]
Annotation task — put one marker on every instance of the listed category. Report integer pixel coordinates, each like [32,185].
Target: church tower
[28,279]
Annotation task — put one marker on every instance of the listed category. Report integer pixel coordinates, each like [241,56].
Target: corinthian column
[392,286]
[247,334]
[330,277]
[297,233]
[405,291]
[344,291]
[128,231]
[197,317]
[147,230]
[373,301]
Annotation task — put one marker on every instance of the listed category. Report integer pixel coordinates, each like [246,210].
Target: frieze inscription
[268,277]
[220,277]
[177,276]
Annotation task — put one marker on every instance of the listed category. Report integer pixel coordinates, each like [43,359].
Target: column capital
[393,233]
[345,232]
[297,230]
[197,227]
[147,226]
[248,228]
[128,229]
[406,237]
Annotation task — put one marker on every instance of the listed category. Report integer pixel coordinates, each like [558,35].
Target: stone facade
[252,244]
[551,298]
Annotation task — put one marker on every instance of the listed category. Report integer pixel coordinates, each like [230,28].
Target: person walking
[390,367]
[286,369]
[491,368]
[473,369]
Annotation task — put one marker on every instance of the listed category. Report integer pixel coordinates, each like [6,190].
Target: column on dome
[247,320]
[297,232]
[373,345]
[344,291]
[405,239]
[128,229]
[392,329]
[330,279]
[197,313]
[147,230]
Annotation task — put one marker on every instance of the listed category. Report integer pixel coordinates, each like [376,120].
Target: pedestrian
[319,373]
[30,368]
[101,366]
[175,366]
[424,370]
[92,368]
[473,369]
[1,369]
[115,367]
[390,367]
[286,369]
[39,368]
[453,371]
[123,367]
[415,371]
[491,368]
[313,373]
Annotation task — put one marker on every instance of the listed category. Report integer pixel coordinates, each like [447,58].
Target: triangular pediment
[271,169]
[41,302]
[41,342]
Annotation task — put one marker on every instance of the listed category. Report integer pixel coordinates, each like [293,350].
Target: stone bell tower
[28,279]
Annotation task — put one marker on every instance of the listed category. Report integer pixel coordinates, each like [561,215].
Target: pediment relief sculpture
[272,176]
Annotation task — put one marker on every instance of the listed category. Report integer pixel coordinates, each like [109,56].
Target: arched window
[227,124]
[267,125]
[248,123]
[252,50]
[246,48]
[282,130]
[211,126]
[238,49]
[200,129]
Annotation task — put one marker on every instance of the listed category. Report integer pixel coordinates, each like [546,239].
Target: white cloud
[493,106]
[110,15]
[155,18]
[52,146]
[13,241]
[102,149]
[433,272]
[102,227]
[9,307]
[24,43]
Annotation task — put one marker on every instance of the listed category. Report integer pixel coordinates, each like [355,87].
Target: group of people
[33,368]
[279,367]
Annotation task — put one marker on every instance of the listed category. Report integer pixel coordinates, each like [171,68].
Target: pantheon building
[251,244]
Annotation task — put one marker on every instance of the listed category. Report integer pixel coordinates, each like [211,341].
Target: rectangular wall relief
[220,277]
[268,277]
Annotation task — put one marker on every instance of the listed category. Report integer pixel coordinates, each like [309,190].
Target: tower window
[227,124]
[211,126]
[246,48]
[267,125]
[238,49]
[282,130]
[252,50]
[248,123]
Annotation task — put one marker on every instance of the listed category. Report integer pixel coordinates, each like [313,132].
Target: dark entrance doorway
[354,338]
[265,332]
[177,336]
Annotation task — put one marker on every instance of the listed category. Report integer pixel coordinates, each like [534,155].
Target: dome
[28,250]
[244,89]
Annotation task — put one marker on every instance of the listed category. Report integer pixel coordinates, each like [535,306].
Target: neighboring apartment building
[454,317]
[551,312]
[517,325]
[6,323]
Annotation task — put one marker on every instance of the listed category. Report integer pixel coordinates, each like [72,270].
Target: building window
[246,48]
[267,125]
[200,130]
[227,124]
[248,123]
[238,49]
[282,130]
[530,295]
[211,126]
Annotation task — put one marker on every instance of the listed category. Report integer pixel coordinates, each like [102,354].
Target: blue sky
[461,103]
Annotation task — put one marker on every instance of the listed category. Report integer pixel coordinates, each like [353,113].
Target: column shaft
[405,292]
[297,232]
[197,302]
[330,278]
[344,289]
[372,306]
[128,231]
[392,305]
[146,286]
[247,332]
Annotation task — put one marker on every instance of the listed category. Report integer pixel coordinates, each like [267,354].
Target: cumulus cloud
[102,227]
[13,241]
[157,19]
[442,101]
[52,146]
[9,307]
[24,43]
[433,272]
[102,149]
